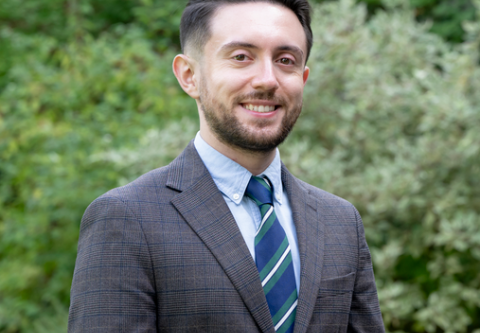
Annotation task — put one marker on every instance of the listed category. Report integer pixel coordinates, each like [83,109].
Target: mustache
[262,95]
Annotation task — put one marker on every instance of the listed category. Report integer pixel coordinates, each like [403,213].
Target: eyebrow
[233,45]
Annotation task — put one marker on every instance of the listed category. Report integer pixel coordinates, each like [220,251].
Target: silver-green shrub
[392,123]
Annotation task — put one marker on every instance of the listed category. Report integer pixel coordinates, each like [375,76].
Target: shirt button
[236,196]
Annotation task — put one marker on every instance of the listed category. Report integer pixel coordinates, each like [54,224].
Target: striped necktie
[274,258]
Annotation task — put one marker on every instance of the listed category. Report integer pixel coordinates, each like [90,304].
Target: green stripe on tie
[278,274]
[284,309]
[268,267]
[264,184]
[268,224]
[264,209]
[256,201]
[289,322]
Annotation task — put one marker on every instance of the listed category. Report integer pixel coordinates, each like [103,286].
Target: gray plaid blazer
[164,253]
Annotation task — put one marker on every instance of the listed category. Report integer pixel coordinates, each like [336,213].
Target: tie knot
[260,191]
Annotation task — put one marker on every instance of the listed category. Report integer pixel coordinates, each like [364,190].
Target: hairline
[193,49]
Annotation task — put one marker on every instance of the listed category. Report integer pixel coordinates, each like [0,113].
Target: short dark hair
[195,23]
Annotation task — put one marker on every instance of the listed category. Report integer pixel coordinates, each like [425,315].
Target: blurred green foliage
[446,16]
[391,123]
[88,102]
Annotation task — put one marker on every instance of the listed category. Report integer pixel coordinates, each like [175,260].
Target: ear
[306,72]
[184,70]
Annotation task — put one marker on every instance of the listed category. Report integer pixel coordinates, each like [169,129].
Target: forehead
[260,23]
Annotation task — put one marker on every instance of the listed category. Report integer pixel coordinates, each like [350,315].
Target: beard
[230,131]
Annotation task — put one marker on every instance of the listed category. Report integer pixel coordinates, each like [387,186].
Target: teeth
[259,108]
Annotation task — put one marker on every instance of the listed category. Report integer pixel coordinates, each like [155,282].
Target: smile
[259,108]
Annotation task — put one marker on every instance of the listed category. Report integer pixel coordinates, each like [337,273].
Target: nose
[265,77]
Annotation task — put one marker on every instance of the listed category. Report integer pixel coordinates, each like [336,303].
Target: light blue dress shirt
[232,180]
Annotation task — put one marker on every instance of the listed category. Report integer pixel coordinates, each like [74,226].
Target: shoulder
[162,183]
[147,185]
[317,197]
[159,186]
[324,197]
[128,201]
[330,210]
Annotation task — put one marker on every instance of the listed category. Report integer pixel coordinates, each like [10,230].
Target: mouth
[260,108]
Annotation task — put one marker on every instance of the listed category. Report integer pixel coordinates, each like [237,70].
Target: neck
[254,161]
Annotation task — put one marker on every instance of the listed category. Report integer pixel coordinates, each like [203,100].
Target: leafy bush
[446,16]
[391,123]
[65,19]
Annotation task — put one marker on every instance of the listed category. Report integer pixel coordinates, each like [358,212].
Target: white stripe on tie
[294,305]
[274,269]
[265,218]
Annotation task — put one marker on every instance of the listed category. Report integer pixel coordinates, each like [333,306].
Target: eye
[286,61]
[240,57]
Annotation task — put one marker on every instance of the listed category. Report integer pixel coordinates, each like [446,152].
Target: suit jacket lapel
[310,234]
[203,207]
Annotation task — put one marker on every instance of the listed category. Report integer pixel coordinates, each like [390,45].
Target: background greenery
[88,102]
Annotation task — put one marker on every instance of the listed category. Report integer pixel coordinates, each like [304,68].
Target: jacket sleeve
[365,316]
[113,286]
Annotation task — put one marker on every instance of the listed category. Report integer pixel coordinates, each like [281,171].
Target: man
[225,239]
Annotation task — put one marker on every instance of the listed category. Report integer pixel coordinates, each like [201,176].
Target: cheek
[293,84]
[294,92]
[232,79]
[230,90]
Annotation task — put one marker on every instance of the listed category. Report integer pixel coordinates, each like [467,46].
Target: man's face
[252,75]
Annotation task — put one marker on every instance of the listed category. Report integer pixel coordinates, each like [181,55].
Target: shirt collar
[230,177]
